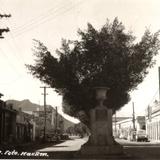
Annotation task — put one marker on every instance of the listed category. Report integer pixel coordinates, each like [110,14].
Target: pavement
[69,150]
[133,150]
[74,144]
[65,150]
[141,150]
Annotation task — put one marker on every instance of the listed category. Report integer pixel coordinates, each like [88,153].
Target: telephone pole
[115,125]
[44,88]
[56,121]
[159,81]
[133,119]
[134,127]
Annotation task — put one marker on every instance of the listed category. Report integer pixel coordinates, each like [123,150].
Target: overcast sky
[51,20]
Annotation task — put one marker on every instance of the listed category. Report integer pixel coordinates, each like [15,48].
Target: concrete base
[103,157]
[101,142]
[102,150]
[114,152]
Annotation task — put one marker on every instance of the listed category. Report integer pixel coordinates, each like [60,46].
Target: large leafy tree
[106,57]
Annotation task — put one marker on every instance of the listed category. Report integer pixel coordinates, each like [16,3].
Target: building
[54,122]
[25,127]
[7,123]
[125,126]
[153,121]
[15,125]
[35,114]
[153,117]
[58,121]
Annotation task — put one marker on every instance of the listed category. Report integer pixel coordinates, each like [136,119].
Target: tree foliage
[106,57]
[2,30]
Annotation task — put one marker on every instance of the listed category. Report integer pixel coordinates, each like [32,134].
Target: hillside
[29,107]
[25,105]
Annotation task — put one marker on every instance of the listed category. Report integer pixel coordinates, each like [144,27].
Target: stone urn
[101,95]
[101,141]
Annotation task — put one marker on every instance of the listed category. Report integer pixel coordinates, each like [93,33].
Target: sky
[51,20]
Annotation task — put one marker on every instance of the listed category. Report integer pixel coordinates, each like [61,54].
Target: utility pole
[133,119]
[134,127]
[44,136]
[56,121]
[115,124]
[159,81]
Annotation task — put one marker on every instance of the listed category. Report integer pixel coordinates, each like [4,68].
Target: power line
[12,66]
[20,60]
[6,30]
[66,9]
[41,16]
[14,43]
[47,19]
[154,96]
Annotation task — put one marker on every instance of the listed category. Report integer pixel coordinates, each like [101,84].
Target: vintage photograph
[80,79]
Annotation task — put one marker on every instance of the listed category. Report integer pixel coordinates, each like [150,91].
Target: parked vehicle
[64,136]
[141,136]
[53,137]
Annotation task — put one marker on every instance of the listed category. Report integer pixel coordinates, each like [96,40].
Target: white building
[153,121]
[125,127]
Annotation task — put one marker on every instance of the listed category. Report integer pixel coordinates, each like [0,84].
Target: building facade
[15,125]
[25,127]
[7,123]
[153,121]
[124,127]
[54,122]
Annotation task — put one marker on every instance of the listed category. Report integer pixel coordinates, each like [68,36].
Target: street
[137,150]
[144,150]
[65,150]
[74,144]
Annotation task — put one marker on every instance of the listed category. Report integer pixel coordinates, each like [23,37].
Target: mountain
[29,107]
[25,105]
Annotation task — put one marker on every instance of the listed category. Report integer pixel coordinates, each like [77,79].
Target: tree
[106,57]
[81,129]
[4,29]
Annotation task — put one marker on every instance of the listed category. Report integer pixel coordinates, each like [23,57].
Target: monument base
[101,150]
[101,142]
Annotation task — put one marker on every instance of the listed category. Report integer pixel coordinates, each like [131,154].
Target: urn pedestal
[101,141]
